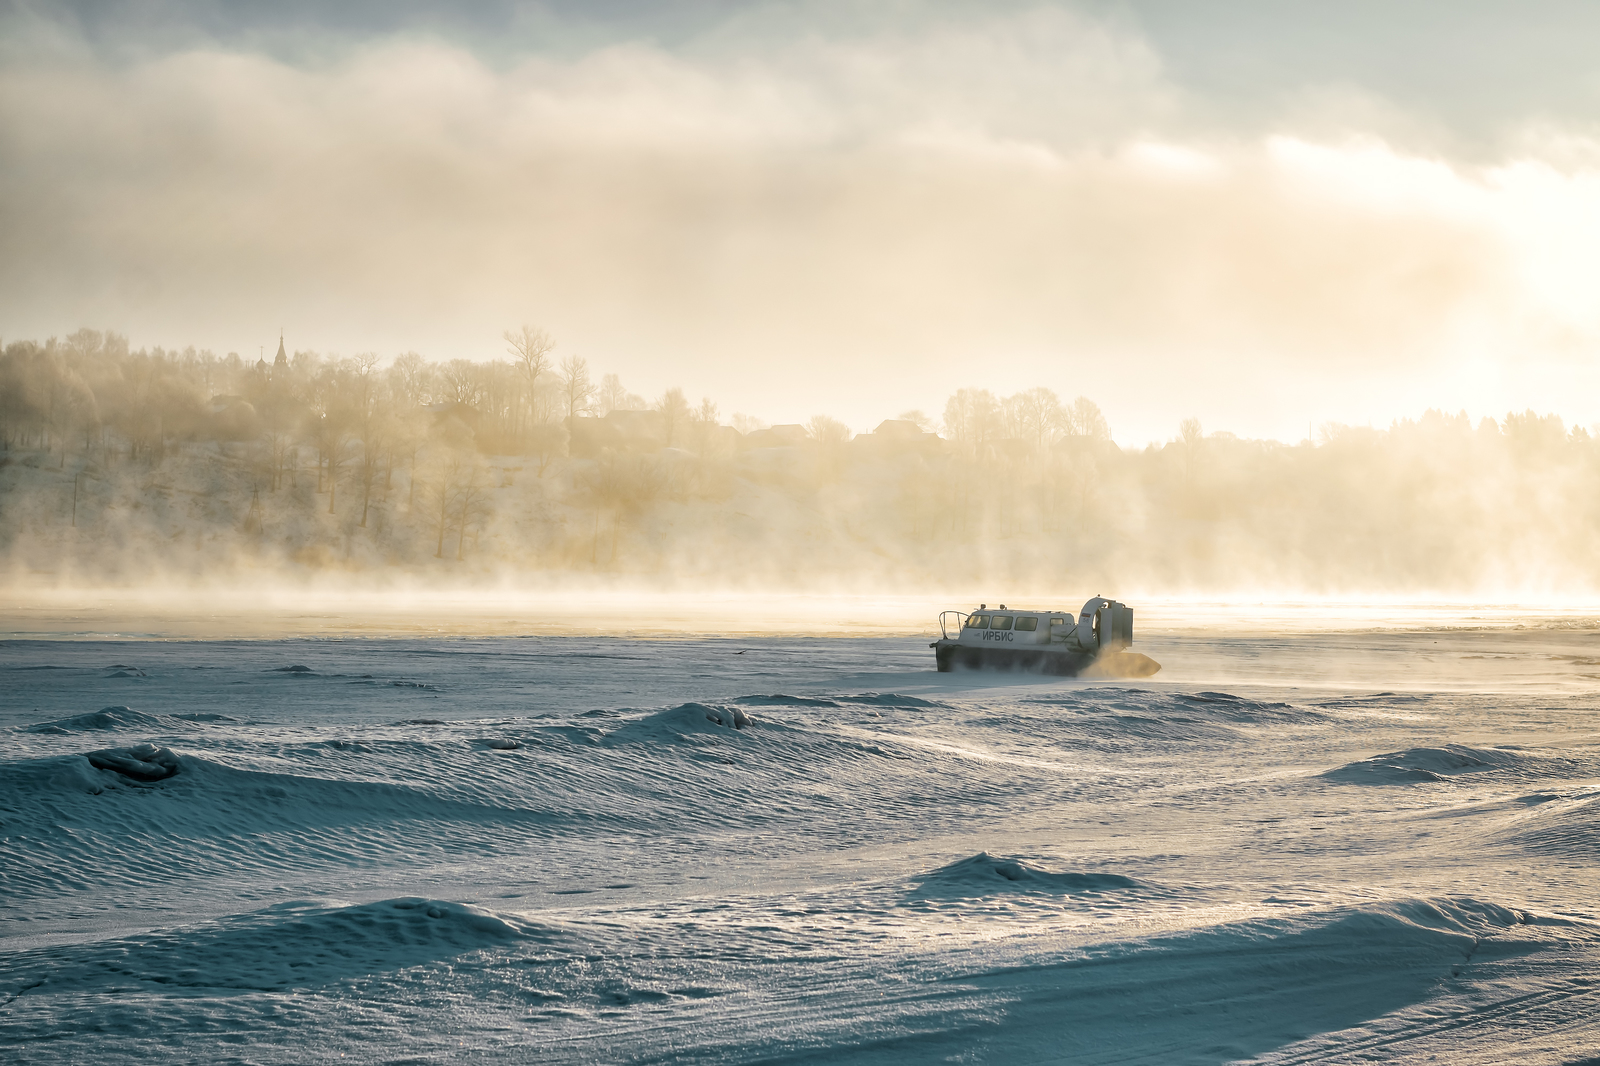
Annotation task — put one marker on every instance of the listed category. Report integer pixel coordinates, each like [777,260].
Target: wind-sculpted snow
[1228,707]
[386,798]
[983,874]
[1565,825]
[655,851]
[105,719]
[296,945]
[1382,700]
[1421,764]
[778,699]
[1242,989]
[110,719]
[79,820]
[887,700]
[1213,708]
[1131,720]
[682,723]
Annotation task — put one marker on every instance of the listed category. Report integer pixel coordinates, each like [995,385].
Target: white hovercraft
[1094,642]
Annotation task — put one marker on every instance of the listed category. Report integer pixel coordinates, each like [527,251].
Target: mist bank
[128,468]
[888,197]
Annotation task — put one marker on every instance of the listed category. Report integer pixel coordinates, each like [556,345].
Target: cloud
[1005,201]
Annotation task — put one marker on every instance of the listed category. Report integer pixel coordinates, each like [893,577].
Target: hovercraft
[1094,642]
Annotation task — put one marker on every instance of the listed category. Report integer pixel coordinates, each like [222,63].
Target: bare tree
[825,430]
[278,442]
[368,466]
[530,348]
[72,407]
[576,389]
[439,494]
[1191,437]
[370,425]
[601,487]
[408,431]
[410,381]
[335,441]
[703,425]
[332,428]
[674,412]
[612,396]
[471,502]
[1036,415]
[1086,420]
[972,418]
[463,382]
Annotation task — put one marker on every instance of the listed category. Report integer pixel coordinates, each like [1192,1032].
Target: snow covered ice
[1312,847]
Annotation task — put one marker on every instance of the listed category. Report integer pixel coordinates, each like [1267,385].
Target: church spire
[282,361]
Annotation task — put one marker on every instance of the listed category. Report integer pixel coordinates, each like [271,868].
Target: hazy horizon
[175,469]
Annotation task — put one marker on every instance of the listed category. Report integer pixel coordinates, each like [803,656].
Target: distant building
[788,436]
[588,436]
[898,429]
[638,429]
[895,436]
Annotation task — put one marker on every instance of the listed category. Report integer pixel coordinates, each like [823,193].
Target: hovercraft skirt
[951,655]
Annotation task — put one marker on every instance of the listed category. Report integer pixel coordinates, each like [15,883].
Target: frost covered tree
[973,418]
[530,348]
[1084,419]
[1036,416]
[577,391]
[612,396]
[826,430]
[674,409]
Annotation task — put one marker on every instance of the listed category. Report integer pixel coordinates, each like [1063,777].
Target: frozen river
[1313,847]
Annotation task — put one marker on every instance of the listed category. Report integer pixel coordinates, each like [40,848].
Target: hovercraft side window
[1027,623]
[1001,621]
[977,621]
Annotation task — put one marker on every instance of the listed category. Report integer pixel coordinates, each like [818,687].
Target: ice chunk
[142,762]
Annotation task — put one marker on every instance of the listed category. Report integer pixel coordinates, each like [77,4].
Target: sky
[1267,215]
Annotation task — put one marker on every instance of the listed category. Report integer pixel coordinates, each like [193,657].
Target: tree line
[531,462]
